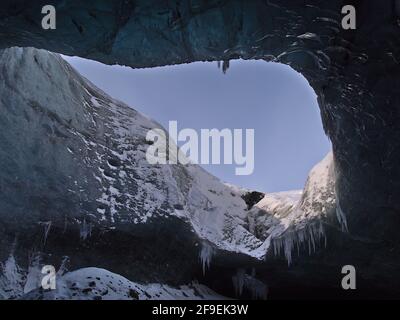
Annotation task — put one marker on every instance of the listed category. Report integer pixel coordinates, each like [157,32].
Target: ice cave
[77,193]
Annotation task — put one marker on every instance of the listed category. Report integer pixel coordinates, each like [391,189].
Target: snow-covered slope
[291,219]
[269,216]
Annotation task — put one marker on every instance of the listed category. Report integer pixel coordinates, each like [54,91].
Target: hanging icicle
[243,281]
[206,254]
[225,66]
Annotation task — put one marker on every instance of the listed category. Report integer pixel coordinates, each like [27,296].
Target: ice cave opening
[271,98]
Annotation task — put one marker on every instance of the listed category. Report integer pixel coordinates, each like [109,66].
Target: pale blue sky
[270,98]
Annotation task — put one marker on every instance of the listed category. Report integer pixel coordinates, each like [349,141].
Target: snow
[100,284]
[85,230]
[94,102]
[47,226]
[341,217]
[305,223]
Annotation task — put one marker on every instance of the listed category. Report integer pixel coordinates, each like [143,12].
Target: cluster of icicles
[309,236]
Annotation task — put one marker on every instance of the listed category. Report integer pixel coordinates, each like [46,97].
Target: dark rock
[251,198]
[133,294]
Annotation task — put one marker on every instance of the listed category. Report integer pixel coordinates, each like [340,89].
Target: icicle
[288,246]
[341,217]
[63,267]
[242,280]
[85,230]
[206,254]
[238,281]
[312,239]
[321,234]
[47,226]
[12,279]
[225,66]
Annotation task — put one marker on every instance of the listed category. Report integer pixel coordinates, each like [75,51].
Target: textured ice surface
[289,220]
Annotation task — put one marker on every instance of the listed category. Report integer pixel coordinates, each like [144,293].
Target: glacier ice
[206,254]
[308,237]
[341,217]
[241,281]
[47,227]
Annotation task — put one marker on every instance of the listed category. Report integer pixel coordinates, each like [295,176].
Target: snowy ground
[100,284]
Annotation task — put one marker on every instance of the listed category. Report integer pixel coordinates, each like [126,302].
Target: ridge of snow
[99,284]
